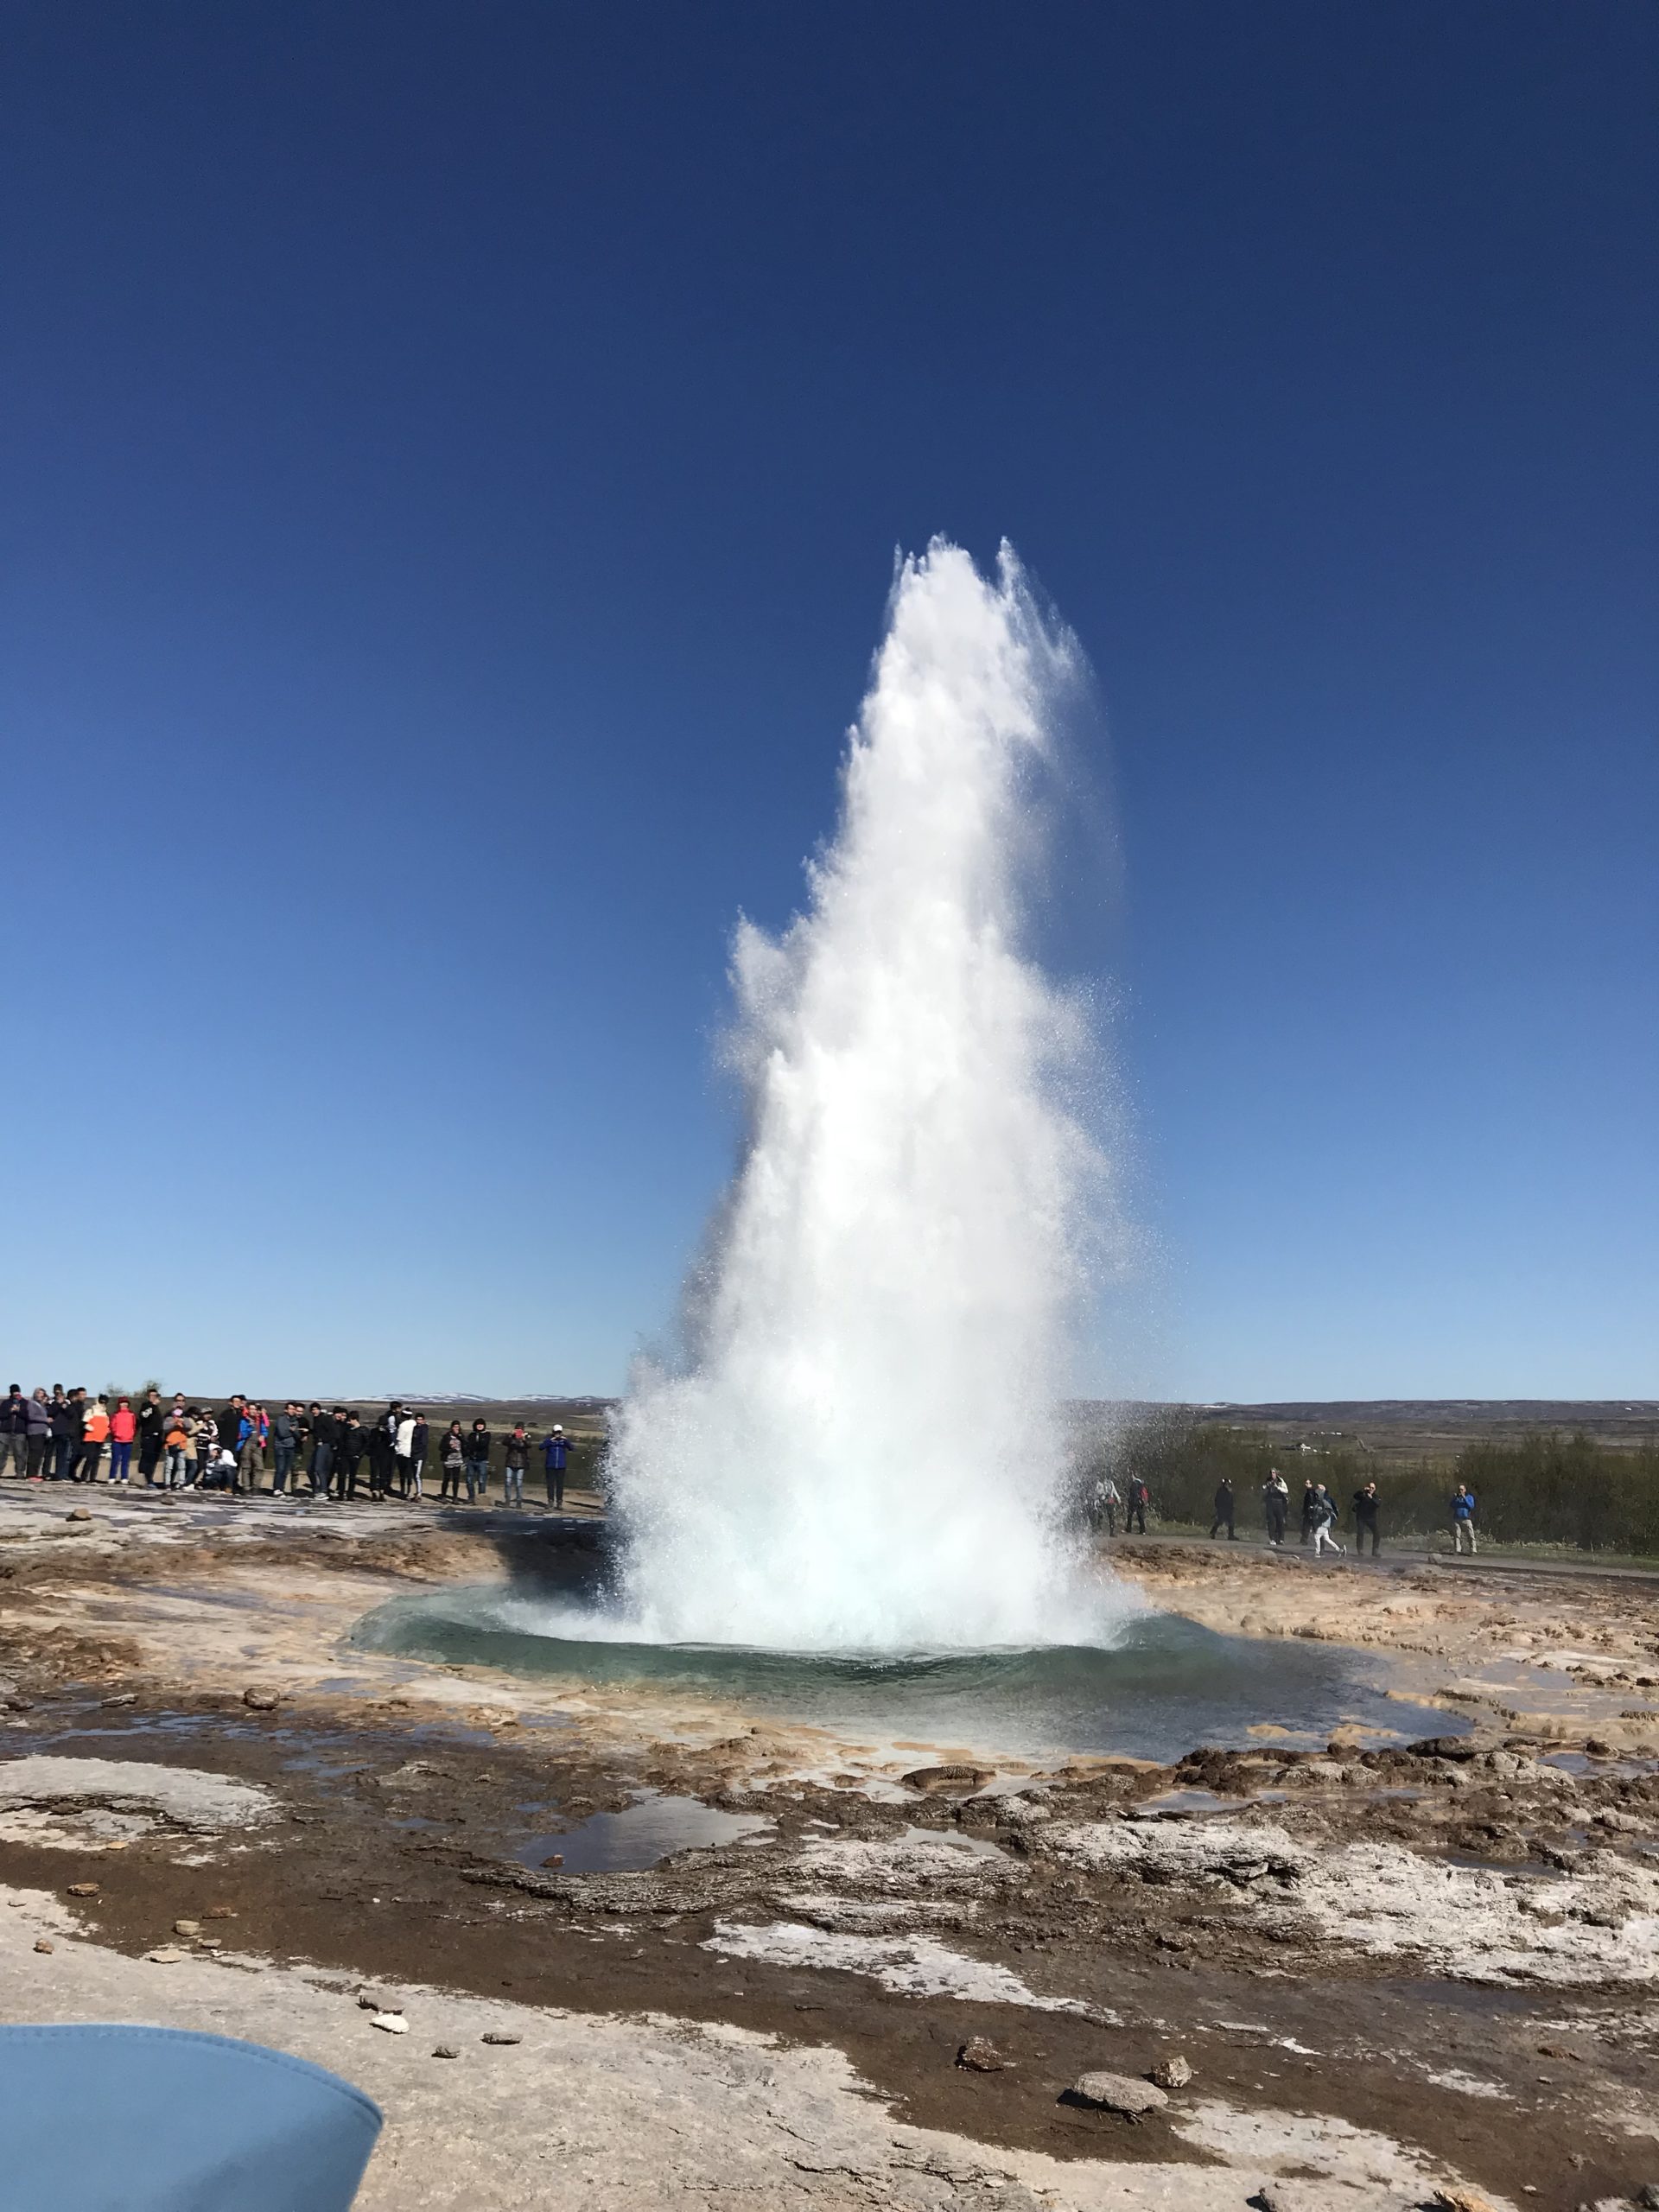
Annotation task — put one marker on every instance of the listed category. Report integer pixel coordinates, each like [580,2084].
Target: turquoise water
[1166,1686]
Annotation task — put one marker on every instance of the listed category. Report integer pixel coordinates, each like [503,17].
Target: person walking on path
[1310,1509]
[152,1435]
[1324,1522]
[1275,1506]
[285,1448]
[452,1463]
[1366,1502]
[1224,1509]
[1463,1519]
[1140,1499]
[478,1461]
[516,1460]
[39,1414]
[124,1428]
[556,1451]
[13,1432]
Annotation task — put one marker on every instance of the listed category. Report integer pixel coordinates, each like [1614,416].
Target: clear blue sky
[453,458]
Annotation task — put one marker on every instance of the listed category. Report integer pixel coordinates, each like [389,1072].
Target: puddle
[642,1835]
[972,1847]
[1182,1804]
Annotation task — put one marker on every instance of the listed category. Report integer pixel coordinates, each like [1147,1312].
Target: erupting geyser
[862,1449]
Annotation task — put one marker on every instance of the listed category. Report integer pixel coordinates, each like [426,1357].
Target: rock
[83,1889]
[44,1946]
[262,1701]
[554,1858]
[1622,1823]
[1442,1747]
[168,1955]
[1456,2196]
[1648,2196]
[126,1697]
[445,2051]
[370,2000]
[78,1513]
[220,1912]
[946,1777]
[186,1928]
[1172,2073]
[496,2035]
[393,2023]
[980,2055]
[1119,2093]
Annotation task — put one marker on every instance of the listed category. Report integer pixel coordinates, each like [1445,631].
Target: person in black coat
[152,1435]
[1224,1509]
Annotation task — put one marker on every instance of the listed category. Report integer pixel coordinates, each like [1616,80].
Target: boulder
[1172,2073]
[1119,2093]
[980,2055]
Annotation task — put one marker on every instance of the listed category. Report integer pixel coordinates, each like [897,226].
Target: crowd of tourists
[328,1453]
[1320,1515]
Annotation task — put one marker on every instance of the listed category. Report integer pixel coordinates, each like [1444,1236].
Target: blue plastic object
[99,2118]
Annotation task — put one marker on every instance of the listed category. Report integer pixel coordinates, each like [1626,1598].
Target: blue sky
[454,459]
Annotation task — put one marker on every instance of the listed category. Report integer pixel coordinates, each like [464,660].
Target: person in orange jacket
[95,1435]
[123,1427]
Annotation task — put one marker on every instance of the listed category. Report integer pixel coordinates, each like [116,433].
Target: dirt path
[1389,1962]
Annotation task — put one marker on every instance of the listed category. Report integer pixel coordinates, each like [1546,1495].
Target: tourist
[250,1448]
[515,1460]
[152,1435]
[1324,1522]
[323,1434]
[1275,1506]
[57,1456]
[1366,1502]
[403,1448]
[381,1440]
[452,1459]
[348,1455]
[1104,1501]
[123,1428]
[555,1451]
[1140,1499]
[285,1448]
[39,1411]
[478,1460]
[230,1427]
[1310,1509]
[417,1443]
[178,1441]
[13,1432]
[1224,1509]
[1463,1518]
[206,1443]
[95,1435]
[75,1432]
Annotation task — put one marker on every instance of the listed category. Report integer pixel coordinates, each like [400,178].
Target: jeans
[322,1454]
[282,1462]
[179,1467]
[120,1462]
[513,1486]
[477,1478]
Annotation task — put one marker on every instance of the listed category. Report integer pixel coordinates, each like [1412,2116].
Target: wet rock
[980,2055]
[500,2035]
[394,2023]
[1119,2093]
[948,1777]
[1621,1822]
[1172,2073]
[261,1700]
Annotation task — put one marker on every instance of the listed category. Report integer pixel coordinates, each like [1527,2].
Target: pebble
[220,1912]
[1172,2073]
[393,2023]
[186,1928]
[262,1701]
[80,1513]
[1119,2093]
[83,1889]
[496,2035]
[446,2050]
[370,2000]
[168,1955]
[44,1946]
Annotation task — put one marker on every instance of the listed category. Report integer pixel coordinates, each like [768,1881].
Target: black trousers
[1136,1513]
[1365,1525]
[1275,1524]
[1223,1520]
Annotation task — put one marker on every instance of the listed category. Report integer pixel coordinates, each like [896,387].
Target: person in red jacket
[124,1428]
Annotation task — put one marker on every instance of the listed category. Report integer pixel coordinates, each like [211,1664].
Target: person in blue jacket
[555,1451]
[1463,1518]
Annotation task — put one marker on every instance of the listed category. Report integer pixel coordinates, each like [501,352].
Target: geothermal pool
[1162,1687]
